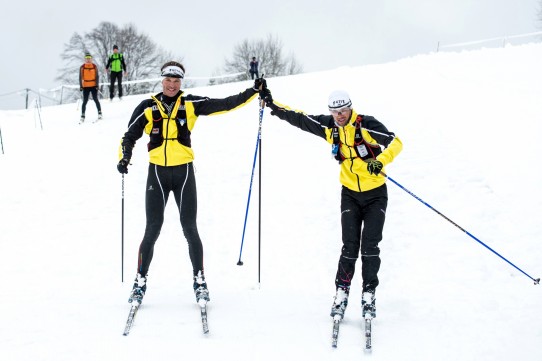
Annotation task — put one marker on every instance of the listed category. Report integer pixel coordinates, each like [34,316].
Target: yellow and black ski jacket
[169,123]
[377,143]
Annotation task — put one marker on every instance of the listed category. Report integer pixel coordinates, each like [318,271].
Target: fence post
[1,141]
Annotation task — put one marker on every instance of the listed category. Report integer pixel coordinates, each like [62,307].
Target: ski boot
[339,303]
[200,288]
[82,120]
[100,115]
[368,304]
[139,289]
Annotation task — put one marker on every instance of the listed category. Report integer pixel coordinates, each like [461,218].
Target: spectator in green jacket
[118,66]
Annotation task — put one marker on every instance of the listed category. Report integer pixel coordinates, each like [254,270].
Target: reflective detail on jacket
[171,152]
[354,174]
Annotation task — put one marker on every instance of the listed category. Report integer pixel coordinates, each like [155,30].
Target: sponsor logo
[155,130]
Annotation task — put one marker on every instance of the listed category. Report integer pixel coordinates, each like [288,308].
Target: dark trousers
[362,219]
[160,182]
[115,75]
[254,73]
[86,93]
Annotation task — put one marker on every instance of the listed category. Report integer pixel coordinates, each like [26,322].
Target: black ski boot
[139,289]
[368,304]
[200,288]
[339,303]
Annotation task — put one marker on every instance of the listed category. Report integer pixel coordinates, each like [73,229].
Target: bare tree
[270,58]
[142,56]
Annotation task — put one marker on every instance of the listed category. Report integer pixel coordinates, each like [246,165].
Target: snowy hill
[469,123]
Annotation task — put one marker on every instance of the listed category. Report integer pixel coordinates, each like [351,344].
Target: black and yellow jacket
[354,174]
[169,125]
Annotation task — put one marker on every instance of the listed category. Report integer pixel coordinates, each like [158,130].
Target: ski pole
[122,234]
[258,140]
[536,281]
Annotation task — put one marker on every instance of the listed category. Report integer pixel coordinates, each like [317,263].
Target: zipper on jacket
[351,159]
[166,138]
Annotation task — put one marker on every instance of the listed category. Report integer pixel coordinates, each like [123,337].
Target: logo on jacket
[155,130]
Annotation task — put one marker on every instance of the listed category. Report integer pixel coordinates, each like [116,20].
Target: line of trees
[144,58]
[268,52]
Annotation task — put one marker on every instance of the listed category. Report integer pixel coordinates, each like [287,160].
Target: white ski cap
[173,71]
[339,99]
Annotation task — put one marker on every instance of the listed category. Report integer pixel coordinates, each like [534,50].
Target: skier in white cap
[363,146]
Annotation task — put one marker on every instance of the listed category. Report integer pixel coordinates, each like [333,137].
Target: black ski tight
[160,182]
[86,94]
[357,209]
[118,76]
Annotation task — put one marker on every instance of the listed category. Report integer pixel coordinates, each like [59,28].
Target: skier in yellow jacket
[363,146]
[169,118]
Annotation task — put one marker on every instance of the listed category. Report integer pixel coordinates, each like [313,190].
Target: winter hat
[88,56]
[339,99]
[115,47]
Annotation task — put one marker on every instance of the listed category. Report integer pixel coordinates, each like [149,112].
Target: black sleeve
[208,106]
[81,77]
[108,63]
[315,124]
[377,130]
[97,76]
[136,127]
[123,63]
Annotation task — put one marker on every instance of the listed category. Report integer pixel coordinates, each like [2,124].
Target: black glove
[265,95]
[259,84]
[122,167]
[374,166]
[81,89]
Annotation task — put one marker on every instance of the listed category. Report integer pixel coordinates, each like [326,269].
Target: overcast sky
[322,34]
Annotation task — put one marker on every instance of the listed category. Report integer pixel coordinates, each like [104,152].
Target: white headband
[172,71]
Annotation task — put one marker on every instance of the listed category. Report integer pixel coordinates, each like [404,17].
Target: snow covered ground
[470,124]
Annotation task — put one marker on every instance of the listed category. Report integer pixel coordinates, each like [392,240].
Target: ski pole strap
[536,281]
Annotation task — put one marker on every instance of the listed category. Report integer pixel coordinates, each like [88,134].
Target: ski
[368,346]
[335,334]
[203,311]
[131,317]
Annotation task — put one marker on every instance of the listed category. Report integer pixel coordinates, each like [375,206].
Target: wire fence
[68,93]
[501,41]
